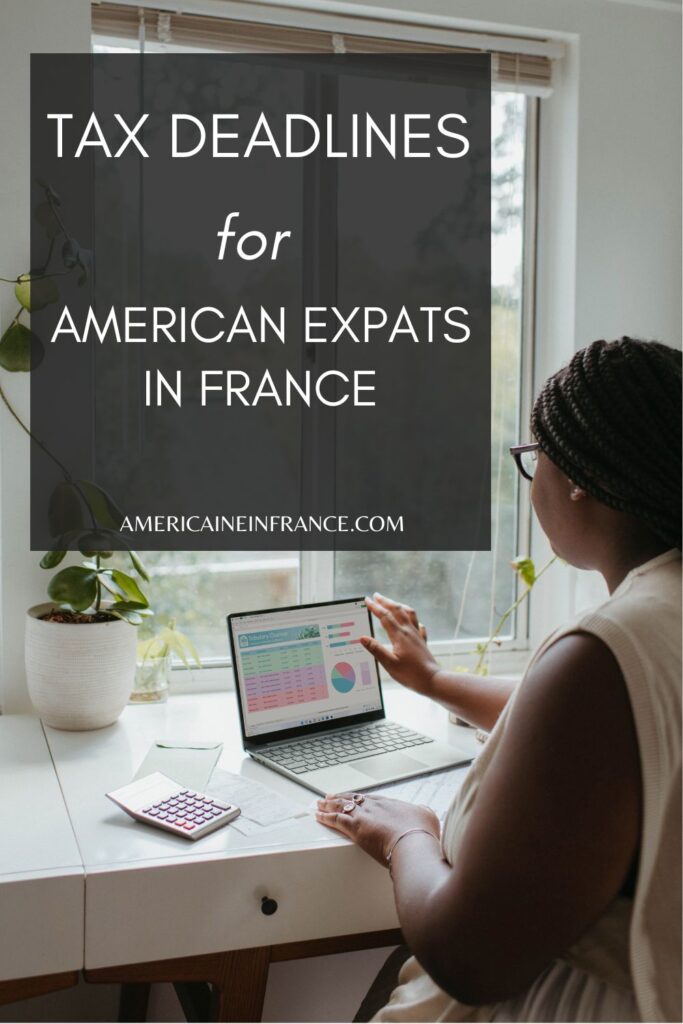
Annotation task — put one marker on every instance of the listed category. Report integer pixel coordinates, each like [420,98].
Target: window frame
[316,568]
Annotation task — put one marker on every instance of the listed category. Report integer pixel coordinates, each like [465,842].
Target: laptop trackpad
[388,765]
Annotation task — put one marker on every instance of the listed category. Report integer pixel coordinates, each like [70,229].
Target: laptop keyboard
[323,751]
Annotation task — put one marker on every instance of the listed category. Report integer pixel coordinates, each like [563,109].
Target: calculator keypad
[186,810]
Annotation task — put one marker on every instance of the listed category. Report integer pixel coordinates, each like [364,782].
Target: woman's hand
[374,822]
[409,661]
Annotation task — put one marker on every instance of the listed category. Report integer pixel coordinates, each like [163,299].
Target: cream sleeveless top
[627,966]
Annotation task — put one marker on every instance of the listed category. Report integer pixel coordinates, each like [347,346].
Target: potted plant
[154,656]
[80,646]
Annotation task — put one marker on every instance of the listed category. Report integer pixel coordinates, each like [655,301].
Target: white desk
[158,907]
[152,895]
[41,874]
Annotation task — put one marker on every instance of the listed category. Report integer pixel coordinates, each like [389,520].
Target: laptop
[310,700]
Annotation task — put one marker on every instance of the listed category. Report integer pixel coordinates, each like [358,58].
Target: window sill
[220,678]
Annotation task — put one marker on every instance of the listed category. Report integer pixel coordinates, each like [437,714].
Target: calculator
[158,800]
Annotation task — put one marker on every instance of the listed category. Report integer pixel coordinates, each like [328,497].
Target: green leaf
[65,511]
[191,649]
[75,586]
[152,648]
[129,615]
[182,646]
[139,566]
[94,542]
[103,506]
[109,584]
[20,349]
[51,559]
[129,611]
[525,569]
[36,293]
[46,218]
[129,586]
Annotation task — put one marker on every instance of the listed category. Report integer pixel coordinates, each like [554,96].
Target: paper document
[262,808]
[436,791]
[190,745]
[189,764]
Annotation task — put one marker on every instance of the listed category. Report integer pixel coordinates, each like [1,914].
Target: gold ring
[358,798]
[349,807]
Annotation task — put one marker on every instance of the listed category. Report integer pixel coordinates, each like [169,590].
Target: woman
[553,892]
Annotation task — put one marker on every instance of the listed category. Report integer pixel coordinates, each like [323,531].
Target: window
[459,595]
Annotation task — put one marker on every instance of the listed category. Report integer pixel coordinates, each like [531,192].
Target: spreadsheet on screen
[301,666]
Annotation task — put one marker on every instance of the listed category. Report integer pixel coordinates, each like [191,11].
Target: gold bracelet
[402,836]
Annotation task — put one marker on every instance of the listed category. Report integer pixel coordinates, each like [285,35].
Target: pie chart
[343,677]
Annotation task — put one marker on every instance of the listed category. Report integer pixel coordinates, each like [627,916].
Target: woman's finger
[399,609]
[385,656]
[350,795]
[334,819]
[334,801]
[385,616]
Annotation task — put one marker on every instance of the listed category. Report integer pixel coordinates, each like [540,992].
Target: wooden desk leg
[237,978]
[134,1001]
[238,994]
[26,988]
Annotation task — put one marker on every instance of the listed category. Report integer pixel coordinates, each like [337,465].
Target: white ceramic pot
[79,676]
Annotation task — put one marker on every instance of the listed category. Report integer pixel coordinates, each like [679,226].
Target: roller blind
[517,63]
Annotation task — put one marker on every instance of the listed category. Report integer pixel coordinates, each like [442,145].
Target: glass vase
[151,681]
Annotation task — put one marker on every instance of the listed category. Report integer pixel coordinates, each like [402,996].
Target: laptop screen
[303,666]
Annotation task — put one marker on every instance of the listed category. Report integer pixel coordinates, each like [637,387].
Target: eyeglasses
[526,458]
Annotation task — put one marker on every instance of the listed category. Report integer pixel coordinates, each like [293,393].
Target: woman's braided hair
[611,420]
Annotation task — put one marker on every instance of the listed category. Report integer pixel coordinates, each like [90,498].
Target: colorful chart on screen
[343,677]
[281,675]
